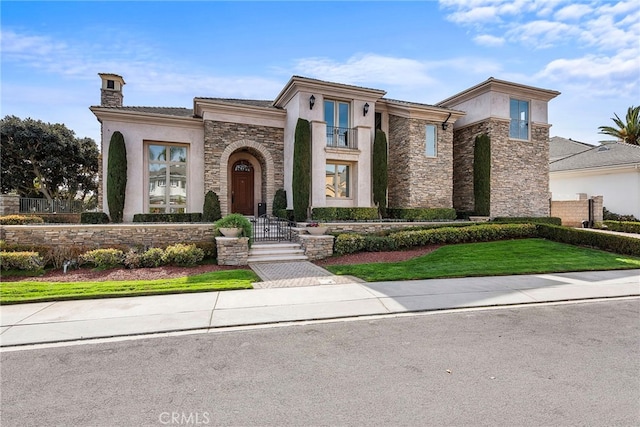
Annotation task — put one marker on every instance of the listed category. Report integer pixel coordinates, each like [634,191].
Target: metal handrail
[341,137]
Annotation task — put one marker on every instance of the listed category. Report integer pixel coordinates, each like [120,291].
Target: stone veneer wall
[232,250]
[519,169]
[415,180]
[219,135]
[106,235]
[316,247]
[9,204]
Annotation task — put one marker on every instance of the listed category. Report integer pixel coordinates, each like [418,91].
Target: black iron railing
[268,228]
[33,205]
[341,137]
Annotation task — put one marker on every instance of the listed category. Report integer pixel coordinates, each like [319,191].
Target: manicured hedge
[20,220]
[28,261]
[528,219]
[94,218]
[168,217]
[422,214]
[344,214]
[623,226]
[607,242]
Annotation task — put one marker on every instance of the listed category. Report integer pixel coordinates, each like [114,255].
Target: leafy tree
[116,176]
[482,175]
[628,131]
[380,172]
[301,170]
[46,160]
[211,209]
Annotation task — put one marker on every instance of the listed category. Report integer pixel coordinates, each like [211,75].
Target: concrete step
[293,251]
[276,258]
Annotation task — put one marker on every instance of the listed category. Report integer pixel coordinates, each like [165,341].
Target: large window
[167,164]
[519,114]
[336,114]
[337,180]
[431,142]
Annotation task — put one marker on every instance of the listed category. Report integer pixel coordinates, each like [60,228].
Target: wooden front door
[242,188]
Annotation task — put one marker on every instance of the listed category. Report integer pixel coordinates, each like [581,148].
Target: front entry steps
[276,252]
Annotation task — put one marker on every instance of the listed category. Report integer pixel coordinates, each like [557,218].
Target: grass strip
[23,292]
[507,257]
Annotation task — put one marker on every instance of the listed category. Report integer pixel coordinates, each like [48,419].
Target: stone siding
[106,235]
[316,247]
[573,212]
[415,180]
[519,170]
[9,204]
[265,143]
[111,98]
[232,250]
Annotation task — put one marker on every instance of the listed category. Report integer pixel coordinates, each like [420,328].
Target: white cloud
[573,12]
[541,34]
[488,40]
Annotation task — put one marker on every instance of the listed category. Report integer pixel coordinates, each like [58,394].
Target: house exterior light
[312,102]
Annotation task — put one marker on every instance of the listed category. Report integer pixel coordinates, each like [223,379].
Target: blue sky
[171,52]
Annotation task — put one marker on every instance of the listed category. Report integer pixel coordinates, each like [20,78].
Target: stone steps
[276,252]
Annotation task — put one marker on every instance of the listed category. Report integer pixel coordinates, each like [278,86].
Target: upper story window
[336,114]
[111,84]
[519,114]
[431,141]
[167,163]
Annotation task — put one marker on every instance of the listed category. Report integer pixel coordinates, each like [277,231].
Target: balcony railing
[341,138]
[33,205]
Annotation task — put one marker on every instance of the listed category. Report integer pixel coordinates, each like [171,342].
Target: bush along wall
[380,172]
[344,214]
[607,242]
[482,175]
[168,217]
[423,214]
[301,170]
[622,226]
[528,219]
[94,218]
[116,176]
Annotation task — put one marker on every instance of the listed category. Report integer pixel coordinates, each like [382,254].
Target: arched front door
[242,188]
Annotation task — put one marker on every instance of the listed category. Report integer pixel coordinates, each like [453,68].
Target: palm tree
[628,131]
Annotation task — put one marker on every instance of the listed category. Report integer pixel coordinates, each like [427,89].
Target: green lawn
[527,256]
[22,292]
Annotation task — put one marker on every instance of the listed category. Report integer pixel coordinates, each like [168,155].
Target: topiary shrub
[103,258]
[27,261]
[211,209]
[279,203]
[184,255]
[482,175]
[301,170]
[116,176]
[380,173]
[20,220]
[94,218]
[344,214]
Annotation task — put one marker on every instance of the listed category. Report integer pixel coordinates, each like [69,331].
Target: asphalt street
[564,364]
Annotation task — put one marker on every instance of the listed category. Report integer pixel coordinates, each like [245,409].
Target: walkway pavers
[295,274]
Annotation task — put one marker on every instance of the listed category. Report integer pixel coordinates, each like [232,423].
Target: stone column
[232,250]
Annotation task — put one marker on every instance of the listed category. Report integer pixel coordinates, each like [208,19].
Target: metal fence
[271,228]
[341,137]
[32,205]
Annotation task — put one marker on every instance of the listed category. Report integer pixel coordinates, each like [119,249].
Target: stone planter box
[316,231]
[230,232]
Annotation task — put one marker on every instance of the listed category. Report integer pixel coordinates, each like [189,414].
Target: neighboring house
[559,148]
[611,170]
[243,149]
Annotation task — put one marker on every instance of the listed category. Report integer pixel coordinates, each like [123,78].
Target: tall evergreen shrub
[482,175]
[116,176]
[211,209]
[279,201]
[380,172]
[301,170]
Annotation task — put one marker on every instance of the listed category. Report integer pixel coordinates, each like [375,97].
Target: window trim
[350,169]
[527,119]
[166,206]
[435,140]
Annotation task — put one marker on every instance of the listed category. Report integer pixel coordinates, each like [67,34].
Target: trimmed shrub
[20,220]
[285,214]
[132,259]
[373,243]
[152,257]
[168,217]
[528,220]
[103,258]
[28,261]
[473,233]
[422,214]
[94,218]
[181,254]
[607,242]
[279,203]
[235,221]
[344,214]
[211,209]
[301,170]
[210,249]
[482,175]
[60,218]
[623,226]
[348,243]
[116,176]
[380,172]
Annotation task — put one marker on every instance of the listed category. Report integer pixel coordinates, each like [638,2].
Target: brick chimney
[111,92]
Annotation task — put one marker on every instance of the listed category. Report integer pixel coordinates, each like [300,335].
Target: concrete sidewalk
[52,322]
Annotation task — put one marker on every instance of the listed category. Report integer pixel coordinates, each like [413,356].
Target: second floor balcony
[341,137]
